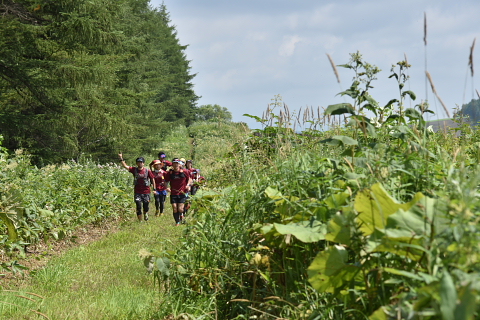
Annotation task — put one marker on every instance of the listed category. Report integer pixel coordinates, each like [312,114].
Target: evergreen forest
[87,78]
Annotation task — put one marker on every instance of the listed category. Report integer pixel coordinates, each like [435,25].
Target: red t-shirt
[178,181]
[140,186]
[196,181]
[160,183]
[190,171]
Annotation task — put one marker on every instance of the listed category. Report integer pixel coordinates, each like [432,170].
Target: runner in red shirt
[142,179]
[197,180]
[189,167]
[163,158]
[161,189]
[179,181]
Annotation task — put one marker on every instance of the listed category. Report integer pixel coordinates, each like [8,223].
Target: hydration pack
[174,175]
[143,176]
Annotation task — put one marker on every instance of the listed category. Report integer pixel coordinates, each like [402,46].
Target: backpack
[139,176]
[177,176]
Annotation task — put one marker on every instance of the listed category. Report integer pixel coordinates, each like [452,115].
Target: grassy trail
[102,280]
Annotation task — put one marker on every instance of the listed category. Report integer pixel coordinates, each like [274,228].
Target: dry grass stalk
[470,58]
[478,94]
[334,68]
[425,28]
[436,94]
[287,111]
[406,60]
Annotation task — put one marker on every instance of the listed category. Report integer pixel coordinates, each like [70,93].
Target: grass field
[102,280]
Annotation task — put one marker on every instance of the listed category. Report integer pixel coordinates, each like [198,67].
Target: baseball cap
[176,160]
[140,159]
[156,162]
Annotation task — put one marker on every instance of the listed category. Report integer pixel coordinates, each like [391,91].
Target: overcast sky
[246,52]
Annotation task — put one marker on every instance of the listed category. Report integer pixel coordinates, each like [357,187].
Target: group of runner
[177,177]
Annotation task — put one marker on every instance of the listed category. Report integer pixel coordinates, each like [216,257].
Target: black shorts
[139,197]
[181,198]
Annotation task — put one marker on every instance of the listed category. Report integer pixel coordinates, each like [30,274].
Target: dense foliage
[90,78]
[213,113]
[50,203]
[375,220]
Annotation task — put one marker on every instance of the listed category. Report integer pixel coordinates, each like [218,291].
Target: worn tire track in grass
[105,279]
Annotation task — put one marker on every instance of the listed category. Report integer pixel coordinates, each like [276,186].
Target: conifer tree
[87,77]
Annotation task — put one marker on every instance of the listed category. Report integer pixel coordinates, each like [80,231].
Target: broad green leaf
[340,140]
[379,314]
[374,205]
[371,108]
[372,131]
[163,266]
[391,118]
[329,271]
[411,94]
[12,231]
[338,229]
[304,231]
[266,228]
[273,193]
[340,108]
[389,104]
[207,194]
[418,220]
[466,309]
[346,140]
[371,100]
[413,113]
[337,200]
[448,297]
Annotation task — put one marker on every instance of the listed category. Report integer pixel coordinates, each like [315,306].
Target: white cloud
[287,48]
[246,52]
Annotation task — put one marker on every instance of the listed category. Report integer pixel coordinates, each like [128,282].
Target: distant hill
[442,124]
[471,110]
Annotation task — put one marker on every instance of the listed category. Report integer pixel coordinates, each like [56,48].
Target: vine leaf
[339,108]
[329,271]
[305,231]
[375,205]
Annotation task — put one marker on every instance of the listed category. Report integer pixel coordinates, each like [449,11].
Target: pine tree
[82,77]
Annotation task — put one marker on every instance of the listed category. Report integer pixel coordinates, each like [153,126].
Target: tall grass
[292,203]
